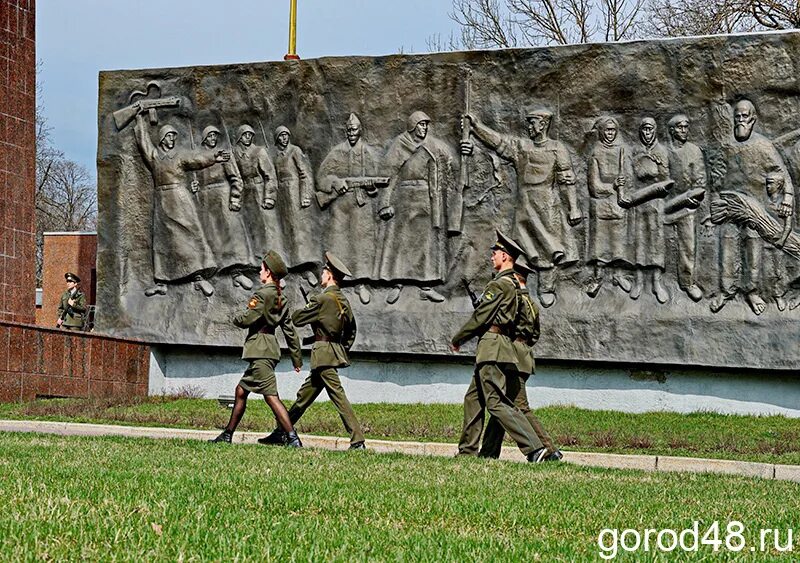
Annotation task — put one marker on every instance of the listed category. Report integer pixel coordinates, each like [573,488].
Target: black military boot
[555,456]
[293,440]
[224,438]
[357,446]
[277,438]
[537,456]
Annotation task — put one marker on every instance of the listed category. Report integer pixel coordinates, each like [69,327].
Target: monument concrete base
[214,372]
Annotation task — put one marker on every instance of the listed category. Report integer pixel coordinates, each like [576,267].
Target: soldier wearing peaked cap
[266,310]
[72,306]
[526,335]
[331,317]
[496,360]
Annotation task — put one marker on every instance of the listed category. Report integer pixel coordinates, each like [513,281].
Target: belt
[497,330]
[165,187]
[323,338]
[413,183]
[214,186]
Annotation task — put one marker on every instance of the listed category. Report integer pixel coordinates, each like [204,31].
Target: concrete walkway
[615,461]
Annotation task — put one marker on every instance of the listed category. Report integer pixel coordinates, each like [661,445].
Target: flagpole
[292,54]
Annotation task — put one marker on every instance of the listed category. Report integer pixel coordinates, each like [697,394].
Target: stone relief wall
[652,185]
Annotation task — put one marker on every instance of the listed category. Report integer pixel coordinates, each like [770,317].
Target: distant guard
[72,306]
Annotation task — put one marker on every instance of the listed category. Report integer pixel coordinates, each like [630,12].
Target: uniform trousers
[328,379]
[489,390]
[494,433]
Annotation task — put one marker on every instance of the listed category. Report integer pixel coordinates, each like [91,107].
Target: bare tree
[66,196]
[525,23]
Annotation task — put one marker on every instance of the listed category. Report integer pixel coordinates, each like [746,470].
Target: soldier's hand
[386,213]
[785,210]
[71,302]
[297,370]
[574,217]
[619,182]
[565,177]
[467,147]
[235,204]
[194,186]
[59,322]
[339,186]
[222,156]
[454,348]
[305,202]
[268,203]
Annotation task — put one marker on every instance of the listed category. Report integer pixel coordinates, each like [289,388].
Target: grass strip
[770,439]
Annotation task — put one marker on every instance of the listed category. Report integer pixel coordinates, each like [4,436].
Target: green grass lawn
[773,439]
[70,498]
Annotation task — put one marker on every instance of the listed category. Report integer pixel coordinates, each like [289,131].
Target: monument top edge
[455,56]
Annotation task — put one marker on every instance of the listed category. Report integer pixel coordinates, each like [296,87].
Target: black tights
[274,402]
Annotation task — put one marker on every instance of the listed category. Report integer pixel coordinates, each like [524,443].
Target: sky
[76,39]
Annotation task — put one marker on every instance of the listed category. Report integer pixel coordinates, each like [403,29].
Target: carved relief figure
[650,166]
[259,194]
[609,170]
[347,184]
[547,203]
[415,208]
[220,197]
[687,167]
[295,190]
[753,166]
[180,250]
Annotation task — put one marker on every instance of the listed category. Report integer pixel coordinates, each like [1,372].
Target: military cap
[282,129]
[336,266]
[208,130]
[273,261]
[353,121]
[522,266]
[69,276]
[415,118]
[244,129]
[165,130]
[539,112]
[507,245]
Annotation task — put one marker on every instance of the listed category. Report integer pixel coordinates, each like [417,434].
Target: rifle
[68,310]
[125,115]
[472,295]
[351,183]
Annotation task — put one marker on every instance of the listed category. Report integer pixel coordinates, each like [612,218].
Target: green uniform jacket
[331,317]
[74,316]
[497,307]
[265,312]
[527,333]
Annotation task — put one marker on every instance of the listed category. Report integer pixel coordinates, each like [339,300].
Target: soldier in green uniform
[496,363]
[331,317]
[526,335]
[266,310]
[72,306]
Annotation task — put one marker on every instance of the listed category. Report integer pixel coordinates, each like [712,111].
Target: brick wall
[17,159]
[66,252]
[41,362]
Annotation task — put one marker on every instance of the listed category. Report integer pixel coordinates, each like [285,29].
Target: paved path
[615,461]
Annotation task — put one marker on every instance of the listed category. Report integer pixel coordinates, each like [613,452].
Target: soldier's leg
[239,406]
[753,256]
[492,443]
[333,385]
[473,418]
[493,384]
[521,402]
[306,395]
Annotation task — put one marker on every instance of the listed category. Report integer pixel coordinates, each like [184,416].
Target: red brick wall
[17,159]
[40,362]
[74,252]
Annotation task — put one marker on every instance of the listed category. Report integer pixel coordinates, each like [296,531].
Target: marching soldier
[495,379]
[331,317]
[527,334]
[266,311]
[72,306]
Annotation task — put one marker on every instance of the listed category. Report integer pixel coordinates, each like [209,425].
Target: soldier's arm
[235,179]
[565,177]
[482,316]
[537,331]
[253,313]
[350,336]
[305,174]
[80,304]
[292,340]
[61,308]
[493,139]
[309,313]
[597,188]
[143,141]
[197,160]
[267,169]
